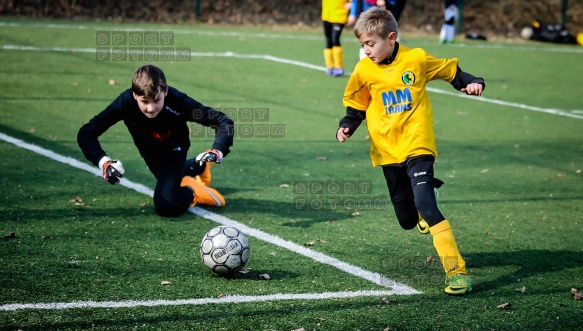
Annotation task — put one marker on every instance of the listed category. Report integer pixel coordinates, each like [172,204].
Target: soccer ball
[526,32]
[225,250]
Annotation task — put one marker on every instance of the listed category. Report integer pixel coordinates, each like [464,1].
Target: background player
[334,14]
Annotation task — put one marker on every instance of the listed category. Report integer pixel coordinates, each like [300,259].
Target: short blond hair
[377,21]
[149,81]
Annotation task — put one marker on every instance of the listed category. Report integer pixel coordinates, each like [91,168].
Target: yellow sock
[338,60]
[446,247]
[328,57]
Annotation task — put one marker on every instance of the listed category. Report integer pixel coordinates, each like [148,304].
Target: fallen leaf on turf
[321,158]
[310,243]
[244,272]
[430,259]
[300,329]
[284,185]
[10,235]
[322,241]
[385,301]
[506,305]
[388,328]
[521,290]
[356,214]
[561,175]
[77,201]
[112,82]
[576,295]
[484,171]
[165,282]
[264,277]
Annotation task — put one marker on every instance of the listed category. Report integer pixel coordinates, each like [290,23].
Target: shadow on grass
[302,217]
[530,263]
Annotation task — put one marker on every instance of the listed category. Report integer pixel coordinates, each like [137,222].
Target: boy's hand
[210,155]
[112,170]
[342,134]
[473,89]
[351,20]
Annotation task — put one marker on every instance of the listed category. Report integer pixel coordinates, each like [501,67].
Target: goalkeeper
[156,116]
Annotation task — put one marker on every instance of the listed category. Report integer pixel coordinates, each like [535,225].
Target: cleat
[203,195]
[337,72]
[422,226]
[330,71]
[205,177]
[458,284]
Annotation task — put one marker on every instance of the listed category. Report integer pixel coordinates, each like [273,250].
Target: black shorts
[411,187]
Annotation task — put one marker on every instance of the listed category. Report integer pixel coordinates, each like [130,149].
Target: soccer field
[79,254]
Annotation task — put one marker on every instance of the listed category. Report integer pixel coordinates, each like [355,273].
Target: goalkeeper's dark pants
[411,187]
[170,199]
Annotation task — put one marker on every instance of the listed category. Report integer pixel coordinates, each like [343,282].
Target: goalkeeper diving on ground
[156,116]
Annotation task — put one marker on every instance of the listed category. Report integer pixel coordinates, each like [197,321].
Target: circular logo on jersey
[408,78]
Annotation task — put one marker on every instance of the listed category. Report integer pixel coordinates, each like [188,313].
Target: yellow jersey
[398,112]
[333,11]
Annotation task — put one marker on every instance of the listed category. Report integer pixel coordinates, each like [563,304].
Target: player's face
[149,106]
[377,48]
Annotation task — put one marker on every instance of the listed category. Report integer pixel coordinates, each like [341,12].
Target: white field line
[573,113]
[203,301]
[297,36]
[376,278]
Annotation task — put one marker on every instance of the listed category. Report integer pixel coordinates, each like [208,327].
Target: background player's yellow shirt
[398,112]
[333,11]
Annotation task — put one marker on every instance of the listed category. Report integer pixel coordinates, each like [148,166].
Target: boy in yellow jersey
[334,15]
[388,89]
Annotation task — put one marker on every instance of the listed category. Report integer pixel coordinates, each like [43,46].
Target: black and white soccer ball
[225,250]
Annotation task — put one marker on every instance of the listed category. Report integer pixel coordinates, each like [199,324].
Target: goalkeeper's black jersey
[156,137]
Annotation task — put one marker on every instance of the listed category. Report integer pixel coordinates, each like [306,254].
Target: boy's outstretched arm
[468,83]
[350,123]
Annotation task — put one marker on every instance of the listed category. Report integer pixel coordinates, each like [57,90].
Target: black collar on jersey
[391,58]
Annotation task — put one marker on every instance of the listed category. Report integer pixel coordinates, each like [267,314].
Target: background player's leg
[337,51]
[328,55]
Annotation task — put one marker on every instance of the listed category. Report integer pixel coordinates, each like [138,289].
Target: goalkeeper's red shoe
[203,195]
[206,177]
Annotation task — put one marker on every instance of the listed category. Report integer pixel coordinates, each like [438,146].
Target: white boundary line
[204,301]
[376,278]
[573,113]
[238,34]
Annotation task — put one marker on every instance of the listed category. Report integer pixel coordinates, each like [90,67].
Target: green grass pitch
[79,254]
